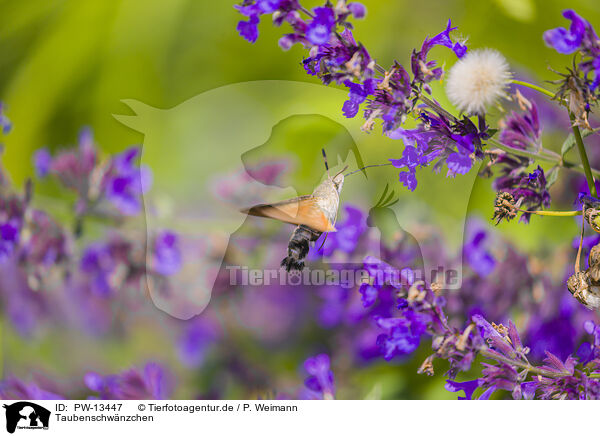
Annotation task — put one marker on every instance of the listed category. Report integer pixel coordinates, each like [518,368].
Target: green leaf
[491,132]
[568,144]
[552,176]
[570,141]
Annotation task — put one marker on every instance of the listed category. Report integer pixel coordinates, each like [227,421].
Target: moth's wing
[300,210]
[325,238]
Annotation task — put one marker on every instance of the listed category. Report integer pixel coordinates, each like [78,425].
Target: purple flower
[408,179]
[320,28]
[11,388]
[167,253]
[391,102]
[334,306]
[125,182]
[47,242]
[425,71]
[507,286]
[348,233]
[320,378]
[382,273]
[522,130]
[500,343]
[26,309]
[268,172]
[249,29]
[458,163]
[9,238]
[358,94]
[342,59]
[455,143]
[196,339]
[358,10]
[579,37]
[468,387]
[400,338]
[412,158]
[74,168]
[98,263]
[42,161]
[556,335]
[151,383]
[369,294]
[5,123]
[476,248]
[529,190]
[253,9]
[567,41]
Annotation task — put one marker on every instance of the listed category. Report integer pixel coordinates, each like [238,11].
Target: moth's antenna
[344,169]
[325,160]
[368,166]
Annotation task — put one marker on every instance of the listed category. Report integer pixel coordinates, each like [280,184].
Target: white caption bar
[151,417]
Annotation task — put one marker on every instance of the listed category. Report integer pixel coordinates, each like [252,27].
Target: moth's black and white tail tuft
[298,247]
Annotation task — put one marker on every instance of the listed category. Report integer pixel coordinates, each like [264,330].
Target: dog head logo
[209,136]
[26,415]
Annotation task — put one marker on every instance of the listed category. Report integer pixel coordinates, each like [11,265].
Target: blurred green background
[68,64]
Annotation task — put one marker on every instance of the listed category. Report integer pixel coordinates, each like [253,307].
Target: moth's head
[338,180]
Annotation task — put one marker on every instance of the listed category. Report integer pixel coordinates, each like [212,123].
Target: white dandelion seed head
[477,80]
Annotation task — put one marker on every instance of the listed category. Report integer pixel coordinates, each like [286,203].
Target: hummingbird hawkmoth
[313,214]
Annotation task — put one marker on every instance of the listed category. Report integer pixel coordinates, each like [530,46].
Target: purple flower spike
[9,238]
[125,182]
[197,338]
[476,249]
[98,263]
[167,253]
[151,383]
[12,388]
[42,161]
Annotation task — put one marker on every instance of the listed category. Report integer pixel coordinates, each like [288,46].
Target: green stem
[554,212]
[584,159]
[527,366]
[436,107]
[545,158]
[555,158]
[532,86]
